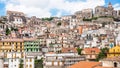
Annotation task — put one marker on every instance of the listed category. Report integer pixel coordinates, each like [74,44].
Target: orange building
[80,29]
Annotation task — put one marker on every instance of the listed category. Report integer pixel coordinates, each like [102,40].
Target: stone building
[105,11]
[16,17]
[85,13]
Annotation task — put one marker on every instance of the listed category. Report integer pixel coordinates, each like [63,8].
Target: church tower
[110,7]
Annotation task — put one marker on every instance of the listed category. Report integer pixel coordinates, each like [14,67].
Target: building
[85,64]
[87,13]
[84,14]
[91,53]
[70,60]
[1,60]
[69,50]
[105,11]
[13,51]
[16,17]
[29,62]
[113,62]
[61,60]
[12,48]
[14,62]
[114,51]
[31,45]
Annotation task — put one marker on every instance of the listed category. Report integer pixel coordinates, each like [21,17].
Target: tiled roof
[91,50]
[85,64]
[103,67]
[29,39]
[67,50]
[12,40]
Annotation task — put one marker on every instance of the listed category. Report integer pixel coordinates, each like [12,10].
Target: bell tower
[110,7]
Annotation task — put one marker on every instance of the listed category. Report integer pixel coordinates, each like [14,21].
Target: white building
[61,60]
[14,63]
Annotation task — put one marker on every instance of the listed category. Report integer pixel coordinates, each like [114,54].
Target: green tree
[7,31]
[79,50]
[14,29]
[59,24]
[48,19]
[21,63]
[38,63]
[102,54]
[103,24]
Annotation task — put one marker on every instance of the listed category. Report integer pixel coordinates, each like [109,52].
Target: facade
[13,51]
[87,13]
[62,60]
[16,17]
[29,62]
[31,45]
[105,11]
[68,61]
[90,53]
[84,14]
[114,51]
[113,62]
[1,60]
[14,63]
[12,48]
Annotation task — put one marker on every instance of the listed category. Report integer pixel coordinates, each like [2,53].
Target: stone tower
[110,7]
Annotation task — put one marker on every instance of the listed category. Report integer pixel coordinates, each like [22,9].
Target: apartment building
[31,45]
[61,60]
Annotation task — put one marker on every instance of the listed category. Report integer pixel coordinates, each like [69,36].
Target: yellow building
[115,51]
[12,48]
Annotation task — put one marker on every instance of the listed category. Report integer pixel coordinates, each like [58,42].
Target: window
[3,43]
[113,50]
[20,43]
[30,65]
[30,60]
[16,47]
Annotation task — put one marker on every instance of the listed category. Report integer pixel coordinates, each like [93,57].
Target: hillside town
[89,38]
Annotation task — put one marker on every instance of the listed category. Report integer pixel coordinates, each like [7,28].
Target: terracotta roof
[67,50]
[103,67]
[29,39]
[91,50]
[12,40]
[52,35]
[51,53]
[85,64]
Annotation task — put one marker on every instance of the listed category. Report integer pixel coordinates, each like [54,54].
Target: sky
[47,8]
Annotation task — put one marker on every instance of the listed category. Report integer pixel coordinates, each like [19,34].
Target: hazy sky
[47,8]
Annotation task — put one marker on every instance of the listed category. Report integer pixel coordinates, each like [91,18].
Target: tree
[102,54]
[79,50]
[8,31]
[59,24]
[21,63]
[14,29]
[48,19]
[103,24]
[38,63]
